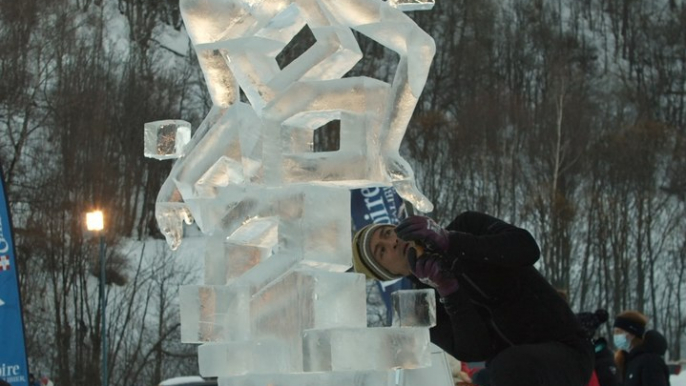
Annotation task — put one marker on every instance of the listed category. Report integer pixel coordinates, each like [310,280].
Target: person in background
[45,381]
[32,380]
[4,382]
[494,305]
[605,367]
[639,355]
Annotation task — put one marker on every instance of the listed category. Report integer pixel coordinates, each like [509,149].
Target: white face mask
[622,342]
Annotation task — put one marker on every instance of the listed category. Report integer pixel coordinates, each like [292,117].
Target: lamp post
[95,222]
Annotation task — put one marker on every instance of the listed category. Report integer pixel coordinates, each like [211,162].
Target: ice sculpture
[166,139]
[277,307]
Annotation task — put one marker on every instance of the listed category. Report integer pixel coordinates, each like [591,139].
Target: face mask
[621,342]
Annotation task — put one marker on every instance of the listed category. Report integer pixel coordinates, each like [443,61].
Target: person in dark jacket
[495,306]
[32,380]
[639,355]
[605,367]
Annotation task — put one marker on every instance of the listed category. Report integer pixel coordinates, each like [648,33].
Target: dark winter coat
[503,300]
[645,365]
[605,366]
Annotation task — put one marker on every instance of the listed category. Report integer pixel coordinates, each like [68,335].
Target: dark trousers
[543,364]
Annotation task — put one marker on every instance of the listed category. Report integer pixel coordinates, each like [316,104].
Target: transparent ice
[412,5]
[277,306]
[166,139]
[414,308]
[379,348]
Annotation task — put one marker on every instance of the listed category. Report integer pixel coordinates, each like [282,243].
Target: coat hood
[653,342]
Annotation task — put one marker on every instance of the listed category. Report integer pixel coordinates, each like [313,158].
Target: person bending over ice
[494,305]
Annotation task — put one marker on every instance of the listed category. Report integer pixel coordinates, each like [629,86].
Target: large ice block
[438,374]
[310,229]
[412,5]
[309,299]
[214,313]
[290,121]
[414,308]
[345,349]
[246,357]
[338,378]
[244,249]
[304,299]
[166,139]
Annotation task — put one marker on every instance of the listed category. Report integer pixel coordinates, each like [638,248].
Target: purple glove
[430,271]
[425,231]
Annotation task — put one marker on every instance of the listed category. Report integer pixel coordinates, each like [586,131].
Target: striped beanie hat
[363,260]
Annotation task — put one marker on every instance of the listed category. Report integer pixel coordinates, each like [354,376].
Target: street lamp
[95,222]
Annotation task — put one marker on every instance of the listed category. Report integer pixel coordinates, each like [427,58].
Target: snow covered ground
[678,380]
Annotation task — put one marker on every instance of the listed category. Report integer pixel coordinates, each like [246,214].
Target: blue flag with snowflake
[13,363]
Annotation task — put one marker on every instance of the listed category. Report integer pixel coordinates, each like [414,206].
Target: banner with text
[378,205]
[13,363]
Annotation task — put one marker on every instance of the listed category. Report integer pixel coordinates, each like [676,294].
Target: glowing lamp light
[95,221]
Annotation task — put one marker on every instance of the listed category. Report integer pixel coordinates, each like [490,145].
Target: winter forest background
[567,117]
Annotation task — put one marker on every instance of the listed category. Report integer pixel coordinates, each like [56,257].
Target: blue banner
[378,205]
[13,363]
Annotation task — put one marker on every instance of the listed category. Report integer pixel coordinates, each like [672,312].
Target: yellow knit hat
[363,259]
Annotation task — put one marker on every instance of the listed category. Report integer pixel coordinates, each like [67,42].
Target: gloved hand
[425,231]
[430,270]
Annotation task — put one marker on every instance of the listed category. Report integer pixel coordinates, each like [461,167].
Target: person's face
[389,251]
[619,331]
